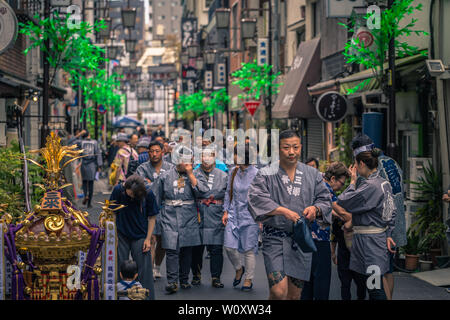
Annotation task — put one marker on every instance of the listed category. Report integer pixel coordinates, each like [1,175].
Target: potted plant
[411,251]
[433,238]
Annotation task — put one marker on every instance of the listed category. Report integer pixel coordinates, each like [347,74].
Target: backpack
[133,164]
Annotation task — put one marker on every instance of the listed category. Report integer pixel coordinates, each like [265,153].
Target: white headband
[365,148]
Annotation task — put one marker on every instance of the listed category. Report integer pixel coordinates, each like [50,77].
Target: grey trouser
[178,264]
[249,261]
[143,261]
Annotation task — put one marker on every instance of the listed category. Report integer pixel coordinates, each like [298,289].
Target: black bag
[302,236]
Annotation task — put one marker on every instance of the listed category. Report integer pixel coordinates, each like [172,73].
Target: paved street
[406,286]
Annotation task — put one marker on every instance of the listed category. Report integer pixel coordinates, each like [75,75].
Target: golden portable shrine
[44,246]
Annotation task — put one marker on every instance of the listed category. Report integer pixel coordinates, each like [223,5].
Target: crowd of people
[174,209]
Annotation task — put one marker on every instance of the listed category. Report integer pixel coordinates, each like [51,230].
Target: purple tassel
[17,285]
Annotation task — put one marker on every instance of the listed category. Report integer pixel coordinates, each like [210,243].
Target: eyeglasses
[342,183]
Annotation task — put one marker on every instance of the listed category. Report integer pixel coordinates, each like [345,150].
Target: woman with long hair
[241,230]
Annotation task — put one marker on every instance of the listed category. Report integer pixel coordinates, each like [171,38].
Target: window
[163,17]
[160,3]
[316,20]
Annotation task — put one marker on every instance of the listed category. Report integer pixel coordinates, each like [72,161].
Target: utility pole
[45,93]
[269,102]
[392,146]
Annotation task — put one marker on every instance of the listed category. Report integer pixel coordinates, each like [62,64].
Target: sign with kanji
[109,262]
[331,106]
[252,106]
[263,44]
[51,201]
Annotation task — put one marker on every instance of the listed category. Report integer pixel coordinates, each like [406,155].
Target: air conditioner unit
[411,208]
[416,170]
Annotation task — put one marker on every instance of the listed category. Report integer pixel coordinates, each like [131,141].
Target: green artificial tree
[256,81]
[217,102]
[71,50]
[390,20]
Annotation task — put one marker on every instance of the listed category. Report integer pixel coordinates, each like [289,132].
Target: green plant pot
[442,261]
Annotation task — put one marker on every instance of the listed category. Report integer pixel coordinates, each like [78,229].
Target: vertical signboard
[189,32]
[109,262]
[262,51]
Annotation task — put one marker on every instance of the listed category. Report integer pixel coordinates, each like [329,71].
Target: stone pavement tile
[408,287]
[439,277]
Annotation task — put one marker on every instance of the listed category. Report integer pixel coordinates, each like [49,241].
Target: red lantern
[252,106]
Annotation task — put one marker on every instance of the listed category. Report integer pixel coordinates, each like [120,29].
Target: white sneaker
[156,273]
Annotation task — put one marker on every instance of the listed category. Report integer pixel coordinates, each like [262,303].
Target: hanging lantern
[210,56]
[193,50]
[105,33]
[222,18]
[130,45]
[184,58]
[112,52]
[129,17]
[199,63]
[248,28]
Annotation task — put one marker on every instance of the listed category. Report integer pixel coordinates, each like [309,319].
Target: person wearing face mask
[135,223]
[278,197]
[180,228]
[373,211]
[210,194]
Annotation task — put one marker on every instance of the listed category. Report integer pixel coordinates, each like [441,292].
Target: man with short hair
[158,132]
[134,140]
[179,221]
[278,198]
[142,150]
[150,171]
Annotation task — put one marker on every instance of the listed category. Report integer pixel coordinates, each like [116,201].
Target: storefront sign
[8,26]
[109,262]
[331,106]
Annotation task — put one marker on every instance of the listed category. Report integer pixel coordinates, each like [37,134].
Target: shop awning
[403,67]
[293,100]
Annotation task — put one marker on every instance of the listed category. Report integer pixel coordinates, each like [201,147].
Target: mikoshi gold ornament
[52,235]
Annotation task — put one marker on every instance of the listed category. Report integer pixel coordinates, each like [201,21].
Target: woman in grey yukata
[373,215]
[241,231]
